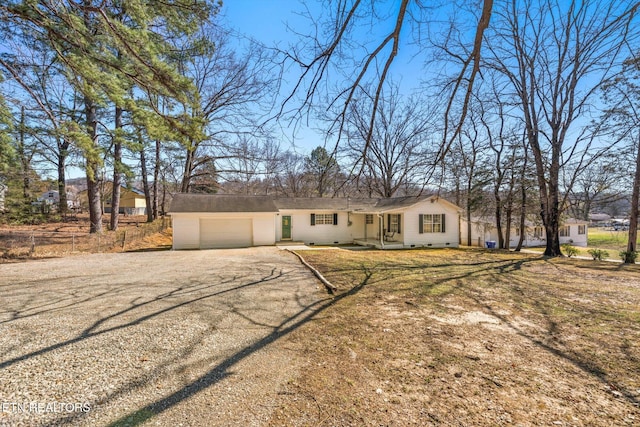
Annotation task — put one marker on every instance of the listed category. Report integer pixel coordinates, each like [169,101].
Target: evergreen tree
[108,48]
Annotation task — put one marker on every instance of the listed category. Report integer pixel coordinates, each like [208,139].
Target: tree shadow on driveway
[222,369]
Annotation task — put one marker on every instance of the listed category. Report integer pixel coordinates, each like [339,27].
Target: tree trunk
[145,184]
[523,202]
[468,226]
[551,219]
[62,185]
[633,219]
[507,231]
[188,169]
[156,174]
[92,166]
[24,160]
[117,171]
[523,216]
[499,220]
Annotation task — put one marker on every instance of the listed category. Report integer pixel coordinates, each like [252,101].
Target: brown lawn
[468,337]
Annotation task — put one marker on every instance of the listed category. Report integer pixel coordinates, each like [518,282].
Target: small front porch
[375,243]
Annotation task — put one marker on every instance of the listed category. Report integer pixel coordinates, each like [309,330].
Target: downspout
[381,229]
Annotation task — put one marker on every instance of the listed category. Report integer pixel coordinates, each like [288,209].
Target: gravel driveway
[155,338]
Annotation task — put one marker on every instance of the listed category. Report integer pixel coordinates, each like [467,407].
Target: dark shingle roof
[221,203]
[233,203]
[323,203]
[399,202]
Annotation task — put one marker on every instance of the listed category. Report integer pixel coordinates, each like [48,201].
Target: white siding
[225,233]
[482,232]
[574,238]
[187,230]
[321,234]
[411,231]
[264,232]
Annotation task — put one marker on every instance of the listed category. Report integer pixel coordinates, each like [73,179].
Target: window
[368,218]
[517,231]
[324,219]
[565,231]
[393,223]
[537,232]
[432,223]
[582,229]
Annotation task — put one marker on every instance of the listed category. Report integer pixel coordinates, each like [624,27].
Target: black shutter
[443,217]
[421,224]
[313,219]
[388,222]
[399,221]
[335,219]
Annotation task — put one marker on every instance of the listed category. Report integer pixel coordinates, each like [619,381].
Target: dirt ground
[469,338]
[71,237]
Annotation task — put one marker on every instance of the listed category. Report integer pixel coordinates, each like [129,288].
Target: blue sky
[267,21]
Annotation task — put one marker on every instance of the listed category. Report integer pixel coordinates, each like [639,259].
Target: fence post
[32,249]
[73,242]
[124,239]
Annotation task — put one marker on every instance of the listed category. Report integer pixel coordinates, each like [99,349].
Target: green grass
[601,238]
[608,239]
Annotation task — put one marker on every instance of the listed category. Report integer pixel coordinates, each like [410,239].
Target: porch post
[365,227]
[381,229]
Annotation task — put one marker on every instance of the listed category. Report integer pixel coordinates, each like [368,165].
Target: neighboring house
[3,190]
[226,221]
[599,219]
[484,230]
[51,197]
[132,201]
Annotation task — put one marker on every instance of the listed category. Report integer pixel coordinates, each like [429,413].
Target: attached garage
[201,221]
[225,233]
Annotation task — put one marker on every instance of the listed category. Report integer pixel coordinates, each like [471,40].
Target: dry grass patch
[469,337]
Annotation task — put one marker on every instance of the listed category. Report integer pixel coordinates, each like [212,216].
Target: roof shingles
[233,203]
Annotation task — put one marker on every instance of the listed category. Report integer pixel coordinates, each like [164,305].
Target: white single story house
[202,221]
[483,230]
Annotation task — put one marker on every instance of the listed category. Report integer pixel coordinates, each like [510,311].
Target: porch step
[289,243]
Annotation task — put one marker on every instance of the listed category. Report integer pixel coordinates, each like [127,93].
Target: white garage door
[225,233]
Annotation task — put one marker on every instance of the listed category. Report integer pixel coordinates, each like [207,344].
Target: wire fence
[21,243]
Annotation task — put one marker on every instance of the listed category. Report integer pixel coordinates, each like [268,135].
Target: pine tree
[91,39]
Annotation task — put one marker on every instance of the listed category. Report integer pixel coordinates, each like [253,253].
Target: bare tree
[400,140]
[598,184]
[556,57]
[233,89]
[292,181]
[339,51]
[468,163]
[624,94]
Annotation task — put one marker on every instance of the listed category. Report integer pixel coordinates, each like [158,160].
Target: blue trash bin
[491,244]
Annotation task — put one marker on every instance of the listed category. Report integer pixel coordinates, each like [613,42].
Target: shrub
[629,256]
[598,254]
[570,250]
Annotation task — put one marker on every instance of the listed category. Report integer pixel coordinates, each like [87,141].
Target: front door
[286,227]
